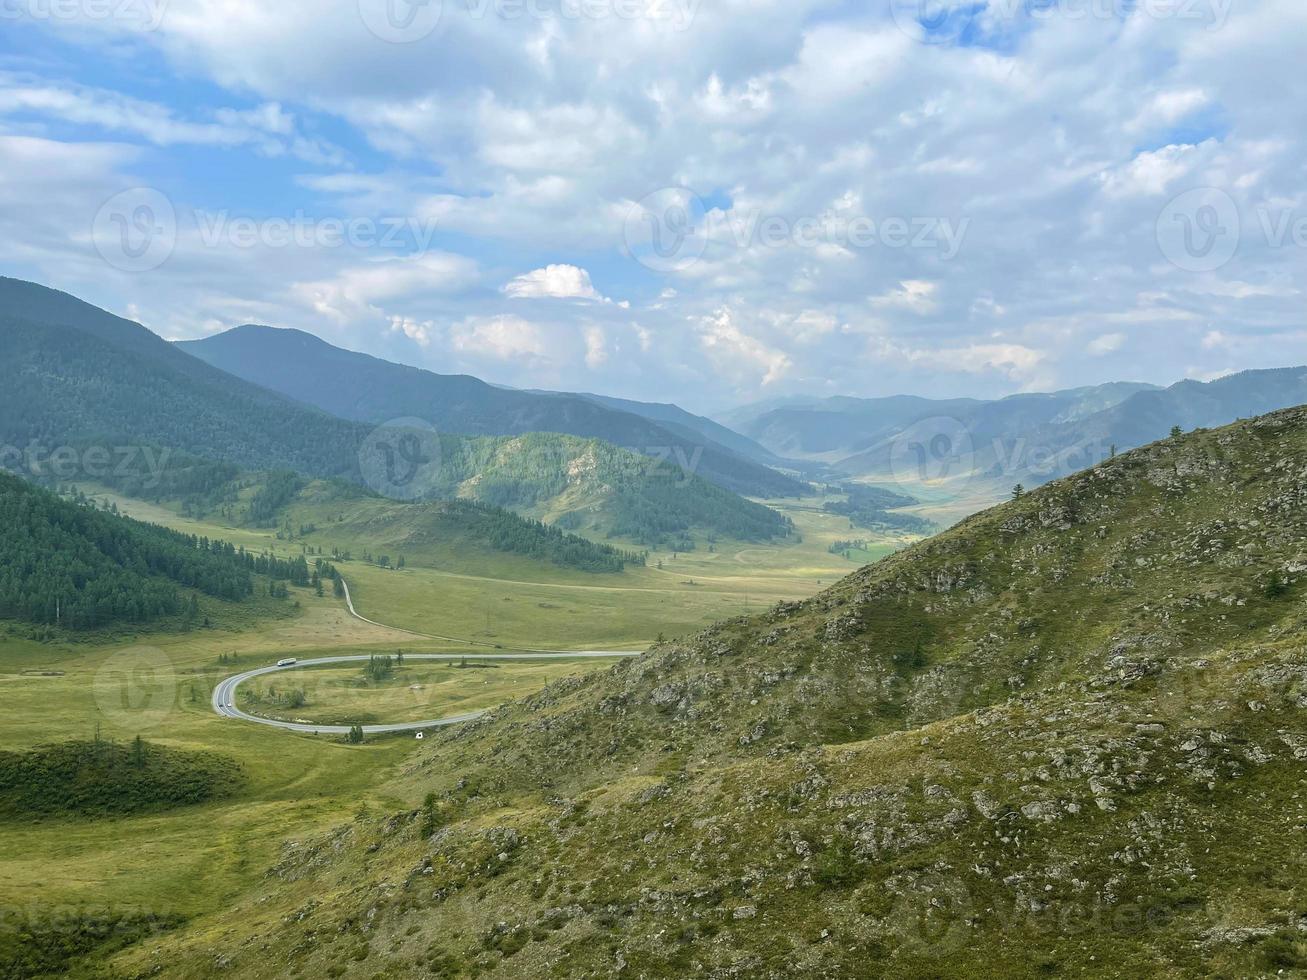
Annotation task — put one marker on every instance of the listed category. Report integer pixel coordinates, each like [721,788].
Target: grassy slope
[1064,738]
[182,862]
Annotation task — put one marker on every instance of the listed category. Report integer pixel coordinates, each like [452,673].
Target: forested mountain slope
[63,563]
[73,375]
[1065,737]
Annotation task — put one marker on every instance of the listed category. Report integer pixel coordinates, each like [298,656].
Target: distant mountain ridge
[679,420]
[1031,438]
[368,389]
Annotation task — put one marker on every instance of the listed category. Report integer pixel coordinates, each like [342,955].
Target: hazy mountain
[678,420]
[1063,738]
[367,389]
[835,428]
[1035,438]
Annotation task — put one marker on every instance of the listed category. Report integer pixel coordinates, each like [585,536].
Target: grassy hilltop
[1064,738]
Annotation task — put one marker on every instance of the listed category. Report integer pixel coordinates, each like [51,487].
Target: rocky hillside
[1067,737]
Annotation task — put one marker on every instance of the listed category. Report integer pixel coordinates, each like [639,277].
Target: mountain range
[1030,438]
[80,380]
[367,389]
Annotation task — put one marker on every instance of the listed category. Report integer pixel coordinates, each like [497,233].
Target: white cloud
[1169,107]
[556,282]
[1151,172]
[267,128]
[364,289]
[1108,343]
[914,295]
[499,337]
[596,348]
[739,355]
[419,333]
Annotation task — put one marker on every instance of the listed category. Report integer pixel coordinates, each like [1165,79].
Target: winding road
[224,695]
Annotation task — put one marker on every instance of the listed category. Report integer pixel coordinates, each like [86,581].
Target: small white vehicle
[291,662]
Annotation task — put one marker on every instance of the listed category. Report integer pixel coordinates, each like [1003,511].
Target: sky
[703,201]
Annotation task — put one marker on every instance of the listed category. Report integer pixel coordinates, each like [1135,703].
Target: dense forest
[278,490]
[62,562]
[506,531]
[100,778]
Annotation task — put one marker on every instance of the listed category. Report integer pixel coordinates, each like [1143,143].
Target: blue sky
[674,199]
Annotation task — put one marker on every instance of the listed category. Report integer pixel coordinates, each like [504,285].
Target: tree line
[65,563]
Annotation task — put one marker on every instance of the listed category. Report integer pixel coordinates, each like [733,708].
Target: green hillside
[591,485]
[338,518]
[1063,738]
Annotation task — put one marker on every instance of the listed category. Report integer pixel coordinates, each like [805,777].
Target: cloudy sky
[707,201]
